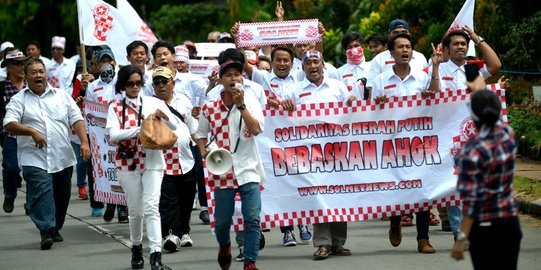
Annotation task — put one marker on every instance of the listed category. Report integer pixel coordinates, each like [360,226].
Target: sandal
[340,251]
[406,221]
[322,252]
[434,220]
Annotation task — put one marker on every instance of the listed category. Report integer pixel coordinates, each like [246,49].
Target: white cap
[58,42]
[6,45]
[182,54]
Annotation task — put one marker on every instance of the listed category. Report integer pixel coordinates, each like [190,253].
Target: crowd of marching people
[44,136]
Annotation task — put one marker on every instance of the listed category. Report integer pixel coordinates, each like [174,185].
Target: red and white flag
[465,17]
[103,24]
[144,33]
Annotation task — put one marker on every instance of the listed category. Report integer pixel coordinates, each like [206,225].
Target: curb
[531,208]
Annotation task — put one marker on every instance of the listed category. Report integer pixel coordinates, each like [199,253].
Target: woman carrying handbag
[139,169]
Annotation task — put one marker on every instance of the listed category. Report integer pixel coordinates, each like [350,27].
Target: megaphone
[219,161]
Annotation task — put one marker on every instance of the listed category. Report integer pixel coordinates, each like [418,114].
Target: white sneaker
[171,243]
[186,241]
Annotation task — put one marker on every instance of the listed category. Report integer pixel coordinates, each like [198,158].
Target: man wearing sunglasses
[60,70]
[181,174]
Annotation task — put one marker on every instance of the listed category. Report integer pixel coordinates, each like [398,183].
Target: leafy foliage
[526,121]
[178,22]
[526,34]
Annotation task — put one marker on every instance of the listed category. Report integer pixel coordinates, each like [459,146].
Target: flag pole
[81,38]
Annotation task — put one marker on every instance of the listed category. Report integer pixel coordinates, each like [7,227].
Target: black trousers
[200,176]
[176,201]
[495,244]
[422,223]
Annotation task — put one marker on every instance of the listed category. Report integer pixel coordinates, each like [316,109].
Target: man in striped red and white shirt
[232,121]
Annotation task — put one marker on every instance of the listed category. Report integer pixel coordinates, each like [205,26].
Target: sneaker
[261,241]
[123,215]
[47,240]
[305,233]
[97,212]
[9,205]
[446,226]
[82,193]
[240,257]
[204,217]
[109,212]
[171,243]
[57,237]
[186,241]
[289,239]
[250,266]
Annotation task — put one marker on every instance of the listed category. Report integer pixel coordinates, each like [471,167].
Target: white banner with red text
[106,186]
[329,162]
[273,33]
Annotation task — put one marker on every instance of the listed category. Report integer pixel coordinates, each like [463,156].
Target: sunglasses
[132,84]
[157,82]
[56,49]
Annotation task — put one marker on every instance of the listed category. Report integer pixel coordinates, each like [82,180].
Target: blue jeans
[10,167]
[251,207]
[48,196]
[80,168]
[455,218]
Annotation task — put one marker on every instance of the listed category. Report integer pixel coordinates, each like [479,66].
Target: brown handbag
[155,134]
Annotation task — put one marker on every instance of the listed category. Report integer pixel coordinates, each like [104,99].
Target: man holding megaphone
[232,121]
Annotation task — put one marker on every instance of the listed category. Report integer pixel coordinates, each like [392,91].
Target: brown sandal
[322,252]
[340,251]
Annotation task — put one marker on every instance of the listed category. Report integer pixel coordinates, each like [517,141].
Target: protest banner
[203,68]
[282,32]
[106,186]
[209,49]
[330,162]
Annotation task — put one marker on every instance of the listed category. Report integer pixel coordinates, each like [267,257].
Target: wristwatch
[479,40]
[242,107]
[461,237]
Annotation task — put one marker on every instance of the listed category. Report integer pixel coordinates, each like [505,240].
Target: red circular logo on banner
[311,31]
[246,35]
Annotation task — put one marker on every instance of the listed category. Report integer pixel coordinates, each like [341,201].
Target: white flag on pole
[103,24]
[143,33]
[465,17]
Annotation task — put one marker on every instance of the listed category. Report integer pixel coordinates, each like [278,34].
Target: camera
[126,153]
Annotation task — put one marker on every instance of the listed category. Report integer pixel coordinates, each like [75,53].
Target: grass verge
[527,189]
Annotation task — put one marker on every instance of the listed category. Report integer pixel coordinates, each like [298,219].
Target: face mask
[355,56]
[107,73]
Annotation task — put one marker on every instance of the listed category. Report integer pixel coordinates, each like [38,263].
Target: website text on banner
[106,186]
[283,32]
[329,162]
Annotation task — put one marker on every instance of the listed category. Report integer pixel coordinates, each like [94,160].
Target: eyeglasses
[157,82]
[56,49]
[133,84]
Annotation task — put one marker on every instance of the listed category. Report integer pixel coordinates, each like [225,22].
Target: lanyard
[139,114]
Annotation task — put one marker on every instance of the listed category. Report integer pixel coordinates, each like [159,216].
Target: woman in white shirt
[139,170]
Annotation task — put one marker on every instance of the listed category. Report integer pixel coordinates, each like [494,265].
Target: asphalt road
[90,243]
